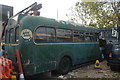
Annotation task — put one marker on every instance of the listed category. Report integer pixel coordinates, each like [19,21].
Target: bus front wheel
[64,65]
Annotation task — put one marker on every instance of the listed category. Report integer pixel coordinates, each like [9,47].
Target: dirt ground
[84,72]
[91,72]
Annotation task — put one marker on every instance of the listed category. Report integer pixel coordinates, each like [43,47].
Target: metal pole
[57,13]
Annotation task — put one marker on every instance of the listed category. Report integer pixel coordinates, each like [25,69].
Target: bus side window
[92,37]
[96,37]
[78,36]
[45,34]
[11,38]
[40,35]
[63,35]
[6,36]
[50,34]
[17,34]
[87,37]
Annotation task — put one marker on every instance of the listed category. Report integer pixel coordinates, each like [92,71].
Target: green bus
[47,44]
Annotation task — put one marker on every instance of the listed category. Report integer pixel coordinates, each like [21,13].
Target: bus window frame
[7,36]
[46,28]
[92,39]
[81,35]
[13,35]
[17,36]
[54,37]
[71,35]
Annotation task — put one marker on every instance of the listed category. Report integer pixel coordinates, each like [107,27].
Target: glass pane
[89,37]
[12,35]
[78,37]
[44,34]
[7,37]
[17,34]
[63,35]
[40,35]
[50,35]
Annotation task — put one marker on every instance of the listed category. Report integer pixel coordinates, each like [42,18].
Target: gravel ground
[83,73]
[91,72]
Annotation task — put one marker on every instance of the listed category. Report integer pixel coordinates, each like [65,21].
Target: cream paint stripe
[55,43]
[65,43]
[12,44]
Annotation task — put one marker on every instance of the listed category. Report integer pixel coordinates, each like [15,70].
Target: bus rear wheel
[64,65]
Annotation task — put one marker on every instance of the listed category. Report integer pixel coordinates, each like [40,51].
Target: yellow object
[14,77]
[1,46]
[97,64]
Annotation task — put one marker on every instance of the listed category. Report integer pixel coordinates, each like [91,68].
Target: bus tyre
[64,65]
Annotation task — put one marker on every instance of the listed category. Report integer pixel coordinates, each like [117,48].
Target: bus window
[63,35]
[92,37]
[78,37]
[44,34]
[12,35]
[96,37]
[50,34]
[88,37]
[40,35]
[17,34]
[7,37]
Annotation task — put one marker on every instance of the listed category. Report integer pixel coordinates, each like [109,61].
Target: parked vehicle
[114,55]
[47,44]
[114,58]
[112,47]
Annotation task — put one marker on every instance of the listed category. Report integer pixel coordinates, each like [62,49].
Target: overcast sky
[49,7]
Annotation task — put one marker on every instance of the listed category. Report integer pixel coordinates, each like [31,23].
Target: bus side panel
[11,51]
[48,56]
[82,55]
[42,58]
[45,58]
[27,57]
[37,59]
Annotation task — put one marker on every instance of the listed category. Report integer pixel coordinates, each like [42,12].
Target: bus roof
[28,21]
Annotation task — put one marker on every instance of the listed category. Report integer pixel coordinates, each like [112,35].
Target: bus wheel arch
[64,65]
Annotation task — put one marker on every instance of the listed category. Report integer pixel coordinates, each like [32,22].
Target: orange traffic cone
[20,65]
[1,68]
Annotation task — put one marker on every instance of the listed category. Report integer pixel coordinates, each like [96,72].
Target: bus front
[12,40]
